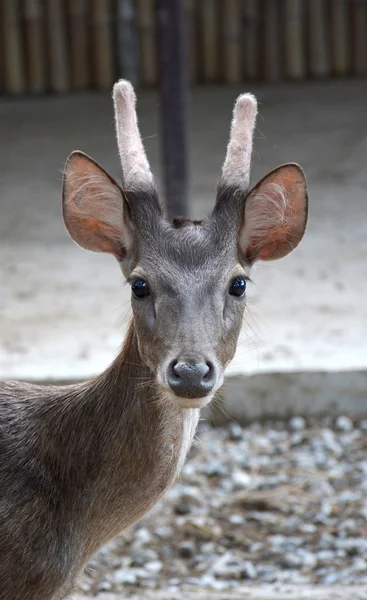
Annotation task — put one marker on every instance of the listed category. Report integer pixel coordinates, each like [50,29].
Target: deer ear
[275,215]
[94,208]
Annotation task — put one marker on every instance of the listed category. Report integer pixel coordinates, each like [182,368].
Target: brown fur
[58,446]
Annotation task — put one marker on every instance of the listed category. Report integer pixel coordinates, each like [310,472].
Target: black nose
[191,380]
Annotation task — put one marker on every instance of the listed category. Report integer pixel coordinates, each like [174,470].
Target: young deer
[81,463]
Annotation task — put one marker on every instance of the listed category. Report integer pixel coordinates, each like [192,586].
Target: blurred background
[282,499]
[65,46]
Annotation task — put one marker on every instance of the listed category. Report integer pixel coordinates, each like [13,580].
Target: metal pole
[172,50]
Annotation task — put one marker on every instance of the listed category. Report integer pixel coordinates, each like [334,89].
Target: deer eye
[238,287]
[140,288]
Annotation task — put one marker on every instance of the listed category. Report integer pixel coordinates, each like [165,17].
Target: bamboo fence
[71,45]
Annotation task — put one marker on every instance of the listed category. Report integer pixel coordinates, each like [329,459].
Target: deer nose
[191,380]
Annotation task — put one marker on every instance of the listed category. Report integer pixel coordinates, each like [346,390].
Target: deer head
[188,279]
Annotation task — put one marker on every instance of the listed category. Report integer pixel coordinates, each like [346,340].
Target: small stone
[141,557]
[229,566]
[325,555]
[349,525]
[331,443]
[297,438]
[344,423]
[196,581]
[143,536]
[189,498]
[148,583]
[125,577]
[352,545]
[297,423]
[207,548]
[363,510]
[182,509]
[248,570]
[236,519]
[188,471]
[267,573]
[359,564]
[255,547]
[309,560]
[208,580]
[240,480]
[331,578]
[165,531]
[307,527]
[216,585]
[277,541]
[215,469]
[154,566]
[291,561]
[235,432]
[187,549]
[105,586]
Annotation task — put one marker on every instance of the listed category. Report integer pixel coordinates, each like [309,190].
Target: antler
[236,167]
[134,162]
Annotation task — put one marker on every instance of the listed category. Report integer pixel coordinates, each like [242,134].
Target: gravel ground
[271,504]
[298,592]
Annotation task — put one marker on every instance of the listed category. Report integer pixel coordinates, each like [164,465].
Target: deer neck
[128,441]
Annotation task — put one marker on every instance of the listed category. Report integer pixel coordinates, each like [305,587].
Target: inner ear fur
[275,215]
[93,207]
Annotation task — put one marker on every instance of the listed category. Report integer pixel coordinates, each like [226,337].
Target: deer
[82,462]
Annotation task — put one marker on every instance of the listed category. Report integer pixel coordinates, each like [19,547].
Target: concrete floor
[63,311]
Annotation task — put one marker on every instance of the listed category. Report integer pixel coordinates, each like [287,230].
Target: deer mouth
[186,403]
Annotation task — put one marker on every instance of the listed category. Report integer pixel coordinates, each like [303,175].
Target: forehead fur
[188,245]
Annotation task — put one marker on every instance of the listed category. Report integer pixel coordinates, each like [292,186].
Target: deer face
[188,296]
[188,279]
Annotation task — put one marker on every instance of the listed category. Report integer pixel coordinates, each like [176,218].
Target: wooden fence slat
[271,40]
[104,71]
[209,37]
[79,28]
[295,56]
[359,25]
[2,82]
[318,39]
[148,42]
[63,45]
[231,34]
[340,39]
[127,41]
[14,72]
[251,39]
[57,46]
[35,45]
